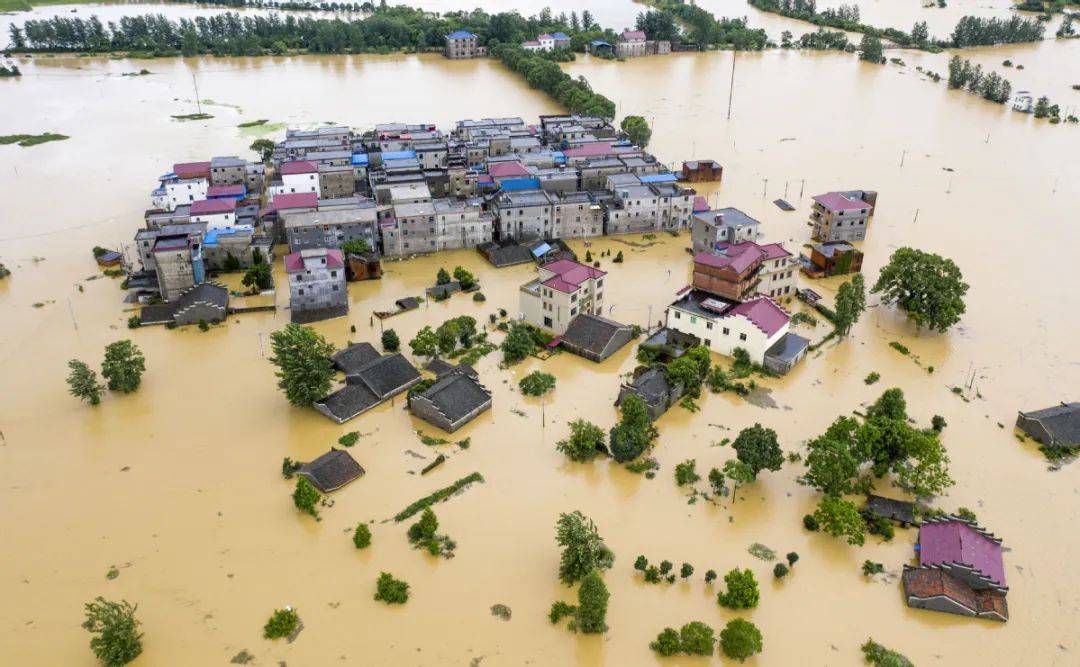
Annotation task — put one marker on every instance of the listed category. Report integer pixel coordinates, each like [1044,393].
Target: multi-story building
[562,290]
[216,213]
[229,170]
[723,324]
[463,44]
[178,264]
[577,215]
[336,181]
[740,271]
[633,210]
[461,224]
[725,224]
[525,215]
[842,216]
[316,284]
[631,44]
[332,227]
[296,177]
[174,191]
[410,230]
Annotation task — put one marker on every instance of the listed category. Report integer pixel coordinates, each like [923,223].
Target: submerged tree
[585,441]
[118,640]
[742,590]
[637,130]
[634,433]
[123,366]
[850,304]
[758,448]
[928,287]
[302,356]
[592,607]
[583,548]
[740,639]
[83,382]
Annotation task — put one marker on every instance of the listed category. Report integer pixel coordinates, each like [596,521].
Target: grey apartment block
[229,170]
[336,181]
[316,285]
[411,230]
[331,228]
[525,215]
[461,224]
[725,224]
[634,210]
[577,215]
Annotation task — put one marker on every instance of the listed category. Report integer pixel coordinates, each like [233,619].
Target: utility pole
[902,156]
[916,217]
[764,186]
[801,186]
[71,309]
[948,190]
[731,87]
[198,102]
[785,189]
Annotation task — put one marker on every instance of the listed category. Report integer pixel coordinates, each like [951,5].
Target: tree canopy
[117,639]
[758,448]
[637,130]
[123,366]
[584,550]
[635,432]
[928,287]
[302,356]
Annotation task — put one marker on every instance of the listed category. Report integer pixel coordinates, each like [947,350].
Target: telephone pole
[198,103]
[731,88]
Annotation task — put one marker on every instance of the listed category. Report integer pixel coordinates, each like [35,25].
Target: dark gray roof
[204,293]
[890,508]
[652,386]
[408,303]
[440,368]
[349,401]
[788,348]
[332,470]
[387,375]
[1061,422]
[355,357]
[455,395]
[506,255]
[159,313]
[439,291]
[596,334]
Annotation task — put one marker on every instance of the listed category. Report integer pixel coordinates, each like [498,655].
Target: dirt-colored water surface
[178,485]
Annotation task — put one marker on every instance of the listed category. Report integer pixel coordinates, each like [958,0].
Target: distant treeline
[354,7]
[543,74]
[701,27]
[385,30]
[962,74]
[821,40]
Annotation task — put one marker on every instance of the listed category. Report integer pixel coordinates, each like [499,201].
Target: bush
[685,472]
[118,640]
[362,536]
[479,297]
[810,523]
[390,341]
[305,496]
[792,558]
[560,610]
[667,643]
[641,563]
[696,638]
[618,258]
[518,344]
[742,590]
[740,639]
[879,656]
[938,423]
[391,590]
[872,378]
[593,599]
[442,277]
[870,568]
[203,325]
[134,322]
[665,566]
[349,439]
[780,570]
[537,383]
[710,576]
[281,624]
[586,439]
[686,570]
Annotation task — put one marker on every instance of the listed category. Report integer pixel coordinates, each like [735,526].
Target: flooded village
[542,270]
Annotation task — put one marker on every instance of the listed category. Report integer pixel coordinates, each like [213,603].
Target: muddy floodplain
[178,485]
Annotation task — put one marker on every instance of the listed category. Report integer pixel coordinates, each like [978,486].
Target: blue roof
[211,236]
[541,249]
[460,34]
[560,36]
[599,42]
[658,178]
[359,159]
[515,184]
[398,155]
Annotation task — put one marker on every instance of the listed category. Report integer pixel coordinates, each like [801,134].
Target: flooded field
[178,485]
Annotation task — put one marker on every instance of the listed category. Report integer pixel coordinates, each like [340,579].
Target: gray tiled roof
[596,335]
[456,395]
[355,357]
[332,470]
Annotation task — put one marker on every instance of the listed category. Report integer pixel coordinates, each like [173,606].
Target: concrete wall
[741,332]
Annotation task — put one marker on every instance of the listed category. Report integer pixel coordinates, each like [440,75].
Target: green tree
[537,383]
[463,276]
[739,473]
[446,336]
[390,341]
[841,518]
[686,570]
[667,643]
[231,263]
[356,247]
[518,344]
[696,638]
[780,570]
[305,497]
[758,448]
[832,464]
[593,599]
[117,639]
[637,130]
[442,277]
[850,304]
[890,405]
[742,590]
[583,548]
[391,590]
[879,656]
[871,49]
[586,439]
[123,366]
[928,287]
[684,371]
[304,369]
[264,147]
[259,276]
[83,382]
[685,472]
[361,536]
[740,639]
[635,432]
[425,343]
[282,623]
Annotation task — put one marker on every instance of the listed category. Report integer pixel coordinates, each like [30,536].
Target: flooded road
[178,485]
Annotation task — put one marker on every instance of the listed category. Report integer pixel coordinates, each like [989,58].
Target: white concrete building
[175,192]
[525,215]
[297,177]
[216,213]
[723,325]
[1023,101]
[562,290]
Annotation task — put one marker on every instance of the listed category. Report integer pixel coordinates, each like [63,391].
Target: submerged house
[367,386]
[595,338]
[331,471]
[701,171]
[1054,428]
[960,570]
[205,302]
[900,511]
[831,259]
[655,390]
[455,399]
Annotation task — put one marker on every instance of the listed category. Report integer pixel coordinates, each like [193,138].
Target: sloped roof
[763,312]
[355,357]
[928,583]
[213,206]
[594,149]
[652,386]
[700,204]
[891,508]
[507,169]
[633,35]
[296,200]
[205,293]
[332,470]
[955,541]
[189,169]
[225,190]
[569,274]
[295,261]
[460,34]
[457,394]
[1062,422]
[387,375]
[300,167]
[839,201]
[595,334]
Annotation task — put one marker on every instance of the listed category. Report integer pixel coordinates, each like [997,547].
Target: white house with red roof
[842,216]
[563,290]
[544,42]
[631,44]
[757,325]
[216,213]
[316,284]
[296,177]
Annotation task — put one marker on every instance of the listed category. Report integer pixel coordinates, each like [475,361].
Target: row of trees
[574,94]
[820,40]
[963,74]
[122,370]
[704,29]
[844,17]
[980,31]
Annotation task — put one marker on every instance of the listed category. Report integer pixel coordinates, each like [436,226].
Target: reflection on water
[180,480]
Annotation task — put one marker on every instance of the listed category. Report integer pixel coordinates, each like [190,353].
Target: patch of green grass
[255,123]
[31,139]
[900,347]
[193,116]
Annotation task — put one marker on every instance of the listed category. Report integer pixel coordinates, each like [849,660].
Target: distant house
[631,44]
[331,471]
[900,511]
[832,259]
[462,44]
[595,337]
[719,225]
[653,387]
[455,399]
[504,254]
[316,285]
[561,39]
[599,47]
[960,571]
[1023,101]
[1054,428]
[562,290]
[369,385]
[842,216]
[544,42]
[701,171]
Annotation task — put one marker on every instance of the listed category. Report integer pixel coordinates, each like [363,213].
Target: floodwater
[178,485]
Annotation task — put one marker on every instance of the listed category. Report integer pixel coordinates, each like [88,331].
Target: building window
[727,331]
[678,316]
[742,336]
[708,325]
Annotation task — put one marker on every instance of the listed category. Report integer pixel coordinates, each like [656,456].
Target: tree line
[701,27]
[963,74]
[574,94]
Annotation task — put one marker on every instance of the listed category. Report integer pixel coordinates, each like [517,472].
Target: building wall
[630,49]
[228,175]
[336,184]
[216,220]
[185,192]
[330,236]
[578,220]
[778,277]
[839,225]
[426,410]
[524,223]
[456,49]
[176,272]
[317,289]
[741,332]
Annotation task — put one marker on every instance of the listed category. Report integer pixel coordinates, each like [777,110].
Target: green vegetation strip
[31,139]
[254,123]
[193,116]
[439,495]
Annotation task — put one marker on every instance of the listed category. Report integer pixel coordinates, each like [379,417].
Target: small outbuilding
[782,356]
[654,389]
[367,266]
[374,383]
[594,337]
[899,511]
[701,171]
[1054,428]
[455,399]
[332,470]
[439,368]
[355,357]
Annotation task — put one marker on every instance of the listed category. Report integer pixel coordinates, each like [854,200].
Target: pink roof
[700,204]
[569,275]
[738,257]
[190,169]
[835,201]
[774,251]
[296,200]
[633,35]
[545,36]
[763,312]
[225,190]
[213,206]
[958,542]
[594,149]
[530,42]
[301,167]
[334,260]
[507,169]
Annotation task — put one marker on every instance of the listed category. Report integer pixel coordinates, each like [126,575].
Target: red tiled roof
[834,201]
[191,169]
[629,35]
[958,542]
[738,257]
[507,169]
[569,275]
[296,200]
[594,149]
[225,190]
[212,206]
[774,251]
[700,204]
[334,260]
[764,313]
[301,167]
[926,583]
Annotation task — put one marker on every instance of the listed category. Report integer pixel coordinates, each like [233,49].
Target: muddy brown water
[178,485]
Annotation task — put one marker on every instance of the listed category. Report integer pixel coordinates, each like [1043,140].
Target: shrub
[586,439]
[134,322]
[289,467]
[686,570]
[870,568]
[641,563]
[593,599]
[780,570]
[742,590]
[362,536]
[464,277]
[665,566]
[938,423]
[442,277]
[792,558]
[740,639]
[391,590]
[479,297]
[203,325]
[349,439]
[518,344]
[710,576]
[281,624]
[667,643]
[390,341]
[872,378]
[537,383]
[305,496]
[810,523]
[879,656]
[618,258]
[560,610]
[696,638]
[118,640]
[685,472]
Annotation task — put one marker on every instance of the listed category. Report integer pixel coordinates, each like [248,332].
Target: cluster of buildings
[631,44]
[462,44]
[547,42]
